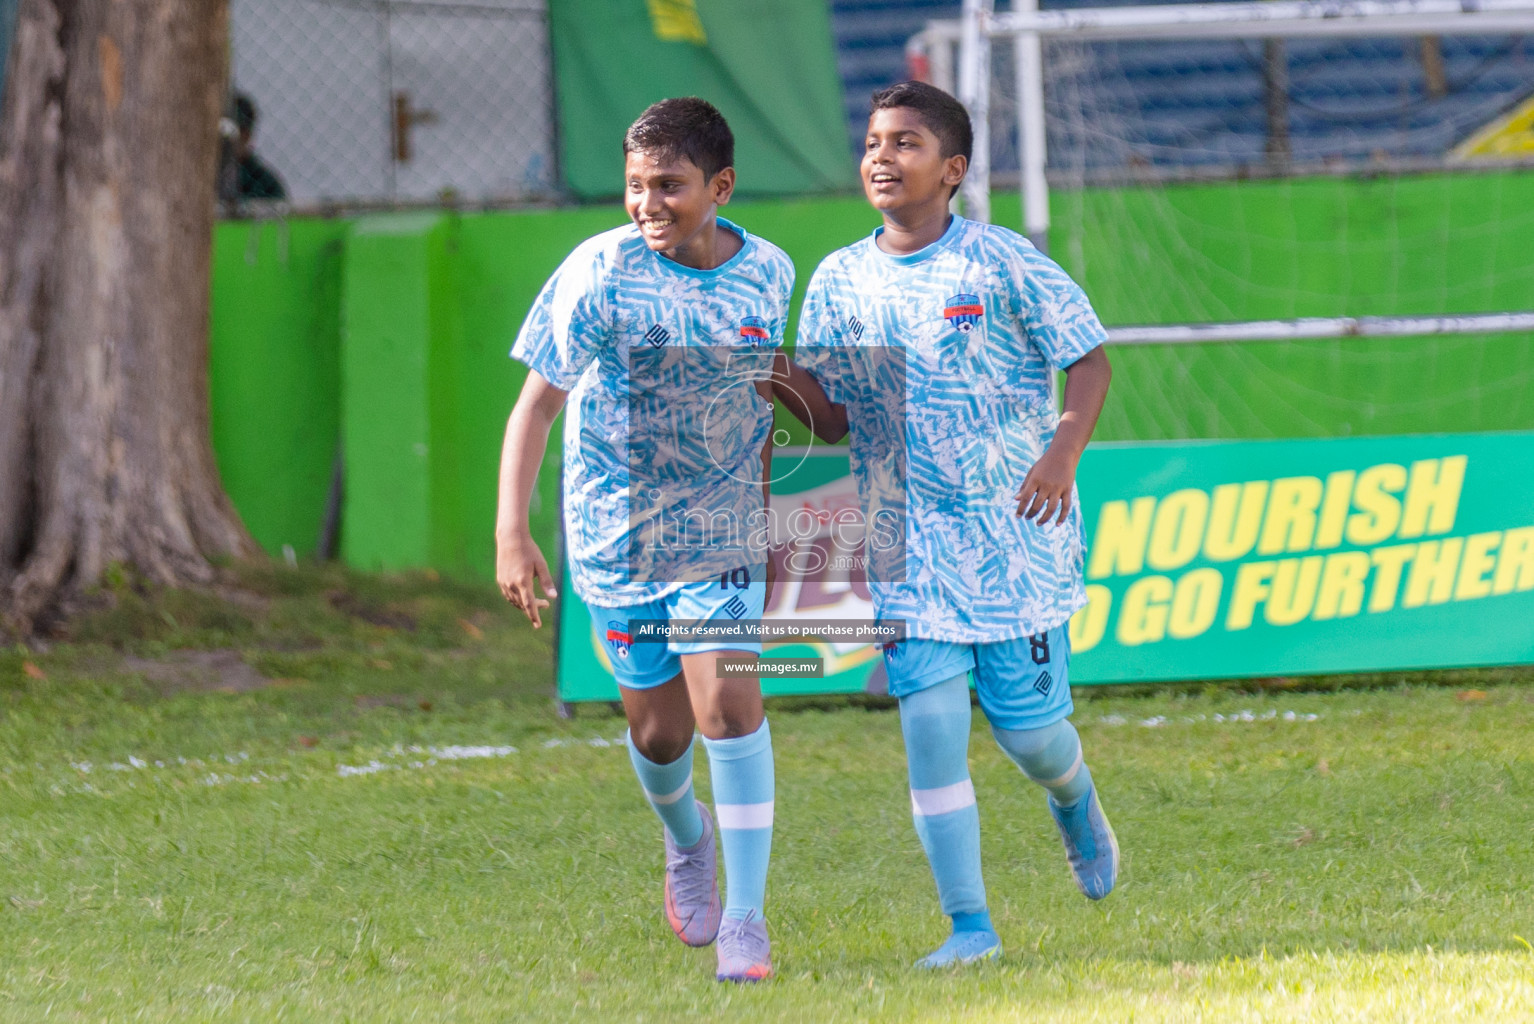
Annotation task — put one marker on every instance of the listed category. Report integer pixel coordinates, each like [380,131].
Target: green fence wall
[388,335]
[275,372]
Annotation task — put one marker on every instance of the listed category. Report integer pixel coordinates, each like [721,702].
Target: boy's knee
[658,743]
[1042,754]
[1024,743]
[730,723]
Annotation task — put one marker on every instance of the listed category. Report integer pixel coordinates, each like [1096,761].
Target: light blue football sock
[1050,756]
[935,722]
[978,922]
[668,787]
[743,799]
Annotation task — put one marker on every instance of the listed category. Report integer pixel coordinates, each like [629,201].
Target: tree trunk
[108,147]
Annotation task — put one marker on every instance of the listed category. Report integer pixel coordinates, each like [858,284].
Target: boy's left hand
[1046,491]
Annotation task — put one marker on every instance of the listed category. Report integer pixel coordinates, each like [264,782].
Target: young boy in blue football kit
[656,339]
[972,321]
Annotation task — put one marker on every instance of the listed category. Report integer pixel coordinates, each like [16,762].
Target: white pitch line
[417,758]
[1271,715]
[399,758]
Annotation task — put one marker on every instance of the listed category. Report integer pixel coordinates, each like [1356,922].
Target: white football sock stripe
[744,815]
[943,800]
[1070,773]
[672,797]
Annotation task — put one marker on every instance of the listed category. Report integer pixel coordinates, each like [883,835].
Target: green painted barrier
[274,373]
[1226,559]
[396,426]
[432,303]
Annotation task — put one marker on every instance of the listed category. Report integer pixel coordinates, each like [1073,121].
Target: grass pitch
[328,797]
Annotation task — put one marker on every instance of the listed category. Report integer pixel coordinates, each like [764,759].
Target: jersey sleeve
[1054,310]
[569,323]
[818,343]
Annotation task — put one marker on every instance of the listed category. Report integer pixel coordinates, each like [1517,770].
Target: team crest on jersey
[963,311]
[890,649]
[753,330]
[620,639]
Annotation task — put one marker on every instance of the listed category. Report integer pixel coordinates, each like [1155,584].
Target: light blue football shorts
[1022,683]
[643,666]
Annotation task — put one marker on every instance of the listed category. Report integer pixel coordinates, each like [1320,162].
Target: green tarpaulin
[768,65]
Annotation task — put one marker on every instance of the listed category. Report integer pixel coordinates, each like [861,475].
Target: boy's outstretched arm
[1046,490]
[517,559]
[764,388]
[803,396]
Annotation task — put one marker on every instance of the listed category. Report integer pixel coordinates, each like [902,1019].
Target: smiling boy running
[972,321]
[644,329]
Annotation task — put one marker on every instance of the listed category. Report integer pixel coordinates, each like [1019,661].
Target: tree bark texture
[108,147]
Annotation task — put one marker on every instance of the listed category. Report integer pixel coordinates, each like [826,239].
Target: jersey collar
[955,225]
[723,268]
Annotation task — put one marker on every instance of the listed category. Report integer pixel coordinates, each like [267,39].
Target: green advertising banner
[769,67]
[1223,559]
[1301,557]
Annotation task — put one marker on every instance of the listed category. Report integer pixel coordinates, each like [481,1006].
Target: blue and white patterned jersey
[664,426]
[976,323]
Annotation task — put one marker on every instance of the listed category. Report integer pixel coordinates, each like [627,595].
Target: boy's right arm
[518,562]
[802,395]
[800,391]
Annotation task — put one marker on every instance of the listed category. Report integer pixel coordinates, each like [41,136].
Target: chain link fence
[363,103]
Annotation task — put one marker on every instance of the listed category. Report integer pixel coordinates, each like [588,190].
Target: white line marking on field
[459,753]
[416,758]
[1272,714]
[400,757]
